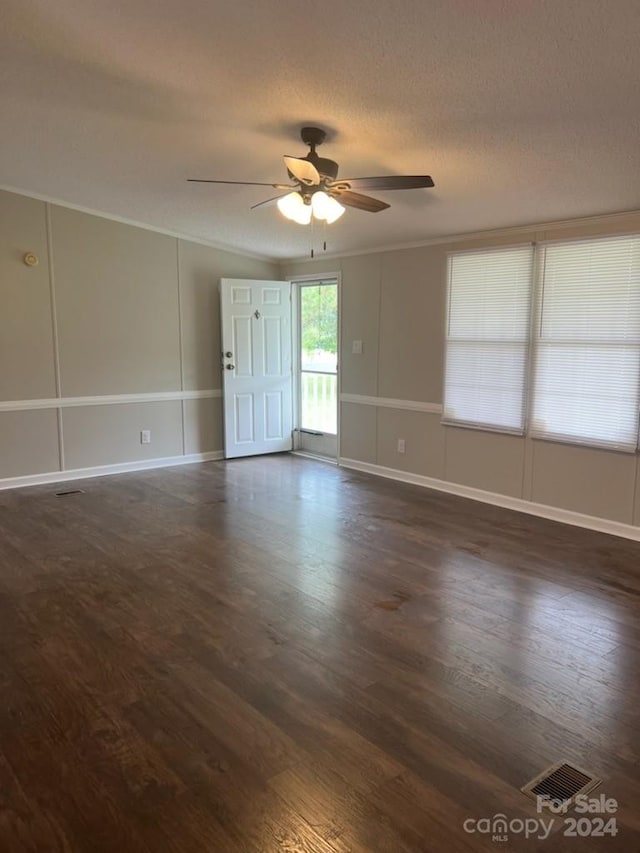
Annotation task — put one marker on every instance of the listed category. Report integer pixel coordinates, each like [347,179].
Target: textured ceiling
[521,110]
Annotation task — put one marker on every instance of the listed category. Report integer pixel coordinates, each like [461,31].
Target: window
[585,365]
[487,355]
[319,357]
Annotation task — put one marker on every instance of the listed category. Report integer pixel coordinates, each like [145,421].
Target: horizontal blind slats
[587,365]
[488,337]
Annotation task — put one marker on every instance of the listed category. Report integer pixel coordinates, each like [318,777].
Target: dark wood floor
[278,655]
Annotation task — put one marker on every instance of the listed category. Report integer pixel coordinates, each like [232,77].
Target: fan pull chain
[311,238]
[312,251]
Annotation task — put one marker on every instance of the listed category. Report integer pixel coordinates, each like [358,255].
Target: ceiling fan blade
[243,183]
[303,171]
[386,182]
[362,202]
[268,201]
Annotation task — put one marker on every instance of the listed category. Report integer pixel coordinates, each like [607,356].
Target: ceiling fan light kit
[300,208]
[292,207]
[318,193]
[326,207]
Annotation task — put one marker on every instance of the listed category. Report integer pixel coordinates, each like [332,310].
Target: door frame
[296,281]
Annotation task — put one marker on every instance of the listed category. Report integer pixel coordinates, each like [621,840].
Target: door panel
[244,432]
[271,296]
[272,346]
[241,295]
[257,376]
[273,414]
[242,346]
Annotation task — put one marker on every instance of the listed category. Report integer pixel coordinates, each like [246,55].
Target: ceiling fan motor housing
[327,168]
[314,136]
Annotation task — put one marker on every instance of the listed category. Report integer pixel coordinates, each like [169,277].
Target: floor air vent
[561,782]
[70,492]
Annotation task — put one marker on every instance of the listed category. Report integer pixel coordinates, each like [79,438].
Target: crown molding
[508,231]
[200,241]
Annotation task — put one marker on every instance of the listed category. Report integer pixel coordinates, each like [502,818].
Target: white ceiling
[521,110]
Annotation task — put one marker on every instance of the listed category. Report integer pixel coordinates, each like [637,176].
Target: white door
[257,376]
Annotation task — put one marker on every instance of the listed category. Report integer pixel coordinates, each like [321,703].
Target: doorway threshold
[317,456]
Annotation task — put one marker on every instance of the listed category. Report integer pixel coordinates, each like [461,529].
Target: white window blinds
[587,343]
[488,333]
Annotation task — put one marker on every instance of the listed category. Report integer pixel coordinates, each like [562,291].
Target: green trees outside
[319,312]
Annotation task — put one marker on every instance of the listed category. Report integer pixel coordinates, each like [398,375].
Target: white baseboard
[577,519]
[317,457]
[104,470]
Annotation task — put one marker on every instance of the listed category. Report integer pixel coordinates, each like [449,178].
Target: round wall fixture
[31,260]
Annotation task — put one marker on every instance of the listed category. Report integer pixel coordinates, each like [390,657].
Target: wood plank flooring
[274,654]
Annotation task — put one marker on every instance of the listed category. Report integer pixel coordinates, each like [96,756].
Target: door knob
[228,354]
[230,366]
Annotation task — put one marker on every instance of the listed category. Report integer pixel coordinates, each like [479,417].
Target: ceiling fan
[316,189]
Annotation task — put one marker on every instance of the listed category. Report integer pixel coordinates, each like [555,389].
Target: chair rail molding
[107,400]
[391,403]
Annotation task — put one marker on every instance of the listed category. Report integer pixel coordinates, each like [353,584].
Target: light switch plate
[356,347]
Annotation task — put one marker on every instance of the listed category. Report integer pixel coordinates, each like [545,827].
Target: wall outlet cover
[145,436]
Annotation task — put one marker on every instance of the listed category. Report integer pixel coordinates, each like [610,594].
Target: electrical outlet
[401,445]
[356,348]
[145,436]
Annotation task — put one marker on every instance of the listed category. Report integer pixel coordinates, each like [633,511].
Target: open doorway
[317,366]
